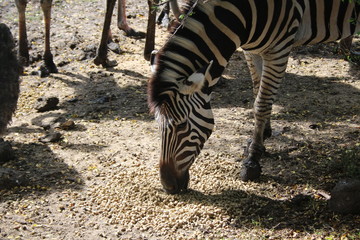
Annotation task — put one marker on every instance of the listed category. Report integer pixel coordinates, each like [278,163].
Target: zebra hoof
[49,63]
[52,67]
[250,170]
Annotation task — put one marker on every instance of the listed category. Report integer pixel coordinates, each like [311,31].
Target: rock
[102,100]
[44,104]
[53,122]
[67,125]
[114,47]
[314,126]
[345,197]
[10,178]
[89,52]
[6,151]
[73,45]
[51,137]
[73,100]
[63,63]
[49,122]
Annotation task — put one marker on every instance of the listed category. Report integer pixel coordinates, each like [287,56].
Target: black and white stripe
[195,56]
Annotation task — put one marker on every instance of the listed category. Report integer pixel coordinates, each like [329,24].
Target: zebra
[191,62]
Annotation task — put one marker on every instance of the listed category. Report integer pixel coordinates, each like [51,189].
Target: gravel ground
[101,181]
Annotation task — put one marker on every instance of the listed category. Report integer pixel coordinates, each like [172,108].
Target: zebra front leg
[255,65]
[273,70]
[251,168]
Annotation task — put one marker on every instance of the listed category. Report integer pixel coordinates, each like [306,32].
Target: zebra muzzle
[172,182]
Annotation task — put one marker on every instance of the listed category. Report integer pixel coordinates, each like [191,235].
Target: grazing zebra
[193,59]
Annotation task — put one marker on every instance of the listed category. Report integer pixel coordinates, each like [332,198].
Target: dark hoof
[43,71]
[134,34]
[52,68]
[250,171]
[46,69]
[267,133]
[49,63]
[109,63]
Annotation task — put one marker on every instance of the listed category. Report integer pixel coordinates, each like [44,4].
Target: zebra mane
[157,86]
[178,62]
[186,12]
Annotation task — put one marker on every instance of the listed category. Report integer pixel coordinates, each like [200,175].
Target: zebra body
[193,59]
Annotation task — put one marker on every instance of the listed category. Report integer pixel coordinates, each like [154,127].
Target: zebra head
[182,108]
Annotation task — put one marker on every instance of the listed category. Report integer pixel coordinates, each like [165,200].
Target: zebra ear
[196,80]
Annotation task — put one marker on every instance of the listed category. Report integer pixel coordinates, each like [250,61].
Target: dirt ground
[101,181]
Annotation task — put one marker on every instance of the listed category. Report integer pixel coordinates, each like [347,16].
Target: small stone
[50,122]
[73,100]
[45,104]
[102,100]
[88,52]
[51,137]
[63,63]
[68,125]
[314,126]
[6,151]
[73,45]
[345,197]
[114,47]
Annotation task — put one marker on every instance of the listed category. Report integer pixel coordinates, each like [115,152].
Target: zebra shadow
[248,211]
[315,124]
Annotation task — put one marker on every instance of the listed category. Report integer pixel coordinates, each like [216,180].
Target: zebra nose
[171,182]
[171,189]
[168,180]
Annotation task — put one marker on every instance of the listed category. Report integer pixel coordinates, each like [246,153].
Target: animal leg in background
[346,47]
[106,36]
[101,55]
[23,41]
[150,35]
[123,25]
[150,31]
[164,16]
